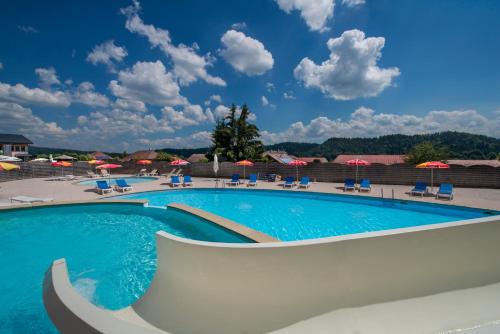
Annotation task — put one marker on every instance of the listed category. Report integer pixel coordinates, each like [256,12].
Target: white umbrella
[6,158]
[216,164]
[39,160]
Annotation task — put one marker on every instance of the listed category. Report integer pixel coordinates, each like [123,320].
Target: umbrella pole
[356,182]
[244,173]
[432,180]
[297,173]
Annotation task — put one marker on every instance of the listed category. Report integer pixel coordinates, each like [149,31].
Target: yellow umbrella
[5,166]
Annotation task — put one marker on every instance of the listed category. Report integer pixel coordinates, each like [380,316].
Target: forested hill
[459,145]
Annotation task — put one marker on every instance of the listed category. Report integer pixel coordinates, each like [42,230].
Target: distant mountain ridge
[461,145]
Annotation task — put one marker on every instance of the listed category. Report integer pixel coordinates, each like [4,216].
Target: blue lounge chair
[304,182]
[103,187]
[187,180]
[445,190]
[235,180]
[365,185]
[122,185]
[289,182]
[252,181]
[349,184]
[419,189]
[174,181]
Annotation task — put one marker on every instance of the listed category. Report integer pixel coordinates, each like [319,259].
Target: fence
[475,176]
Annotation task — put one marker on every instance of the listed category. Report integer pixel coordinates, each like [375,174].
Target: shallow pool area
[291,215]
[110,249]
[112,180]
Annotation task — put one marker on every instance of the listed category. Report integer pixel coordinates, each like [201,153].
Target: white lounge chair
[29,199]
[104,173]
[91,174]
[154,172]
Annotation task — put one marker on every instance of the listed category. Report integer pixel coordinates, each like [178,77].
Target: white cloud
[47,77]
[222,111]
[107,53]
[270,87]
[195,140]
[246,54]
[365,122]
[85,93]
[188,65]
[353,3]
[264,101]
[239,26]
[351,71]
[132,105]
[148,82]
[215,98]
[189,115]
[21,94]
[316,13]
[27,29]
[289,96]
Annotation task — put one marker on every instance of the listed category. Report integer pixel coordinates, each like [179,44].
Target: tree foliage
[426,151]
[164,156]
[235,138]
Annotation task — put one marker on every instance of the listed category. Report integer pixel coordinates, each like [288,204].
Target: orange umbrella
[144,162]
[357,163]
[61,164]
[244,163]
[96,162]
[297,163]
[432,165]
[5,166]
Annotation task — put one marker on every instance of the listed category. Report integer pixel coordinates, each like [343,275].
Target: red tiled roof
[385,159]
[313,159]
[468,163]
[196,157]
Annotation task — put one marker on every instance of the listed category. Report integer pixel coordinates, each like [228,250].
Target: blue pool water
[289,215]
[109,248]
[130,180]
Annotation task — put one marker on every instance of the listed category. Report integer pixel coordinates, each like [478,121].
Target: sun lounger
[235,180]
[103,187]
[252,181]
[365,185]
[304,182]
[29,199]
[174,181]
[122,185]
[289,182]
[154,172]
[349,184]
[92,174]
[142,172]
[104,173]
[186,181]
[419,189]
[445,191]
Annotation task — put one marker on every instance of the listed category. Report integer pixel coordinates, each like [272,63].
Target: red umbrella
[297,163]
[61,164]
[179,162]
[144,162]
[432,165]
[357,163]
[244,163]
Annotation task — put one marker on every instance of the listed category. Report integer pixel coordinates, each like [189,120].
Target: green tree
[235,138]
[164,156]
[426,151]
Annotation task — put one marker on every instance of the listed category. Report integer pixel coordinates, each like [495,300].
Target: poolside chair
[304,182]
[252,180]
[235,180]
[445,191]
[289,182]
[365,185]
[104,173]
[174,181]
[419,189]
[91,174]
[349,184]
[186,181]
[154,172]
[142,172]
[29,199]
[122,185]
[103,187]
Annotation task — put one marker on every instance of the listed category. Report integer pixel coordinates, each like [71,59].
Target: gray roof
[7,138]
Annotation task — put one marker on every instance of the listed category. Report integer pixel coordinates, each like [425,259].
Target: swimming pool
[129,179]
[289,216]
[110,249]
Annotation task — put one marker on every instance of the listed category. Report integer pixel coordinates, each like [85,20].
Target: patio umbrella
[179,162]
[96,162]
[5,166]
[432,165]
[216,164]
[6,158]
[108,167]
[357,163]
[244,163]
[144,162]
[61,164]
[297,163]
[39,160]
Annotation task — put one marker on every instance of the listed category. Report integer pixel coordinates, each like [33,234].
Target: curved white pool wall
[204,287]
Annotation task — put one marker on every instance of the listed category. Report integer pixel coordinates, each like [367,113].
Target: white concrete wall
[227,288]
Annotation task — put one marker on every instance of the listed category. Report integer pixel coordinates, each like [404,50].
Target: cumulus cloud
[247,55]
[195,140]
[222,111]
[188,65]
[189,115]
[215,98]
[148,82]
[264,101]
[85,93]
[351,71]
[270,87]
[353,3]
[132,105]
[107,53]
[289,96]
[47,77]
[27,29]
[21,94]
[239,26]
[365,122]
[316,13]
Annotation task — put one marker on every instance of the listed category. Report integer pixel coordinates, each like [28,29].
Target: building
[311,160]
[279,156]
[13,145]
[384,159]
[141,155]
[196,157]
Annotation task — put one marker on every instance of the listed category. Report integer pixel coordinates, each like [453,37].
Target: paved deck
[70,191]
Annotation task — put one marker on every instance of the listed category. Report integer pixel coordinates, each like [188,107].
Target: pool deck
[70,191]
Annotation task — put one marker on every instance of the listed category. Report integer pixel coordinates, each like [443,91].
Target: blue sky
[123,75]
